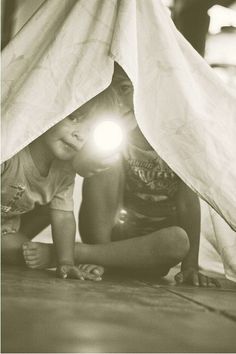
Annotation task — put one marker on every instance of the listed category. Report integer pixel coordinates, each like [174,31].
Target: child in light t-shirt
[37,188]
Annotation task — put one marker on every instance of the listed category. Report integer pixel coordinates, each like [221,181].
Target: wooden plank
[45,314]
[218,300]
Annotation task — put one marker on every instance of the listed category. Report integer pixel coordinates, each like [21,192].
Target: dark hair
[111,97]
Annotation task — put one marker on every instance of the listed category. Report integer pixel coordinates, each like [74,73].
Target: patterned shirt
[150,192]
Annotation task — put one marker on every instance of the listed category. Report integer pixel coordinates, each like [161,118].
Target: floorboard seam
[210,308]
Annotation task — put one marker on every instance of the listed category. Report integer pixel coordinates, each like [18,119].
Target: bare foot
[92,268]
[38,255]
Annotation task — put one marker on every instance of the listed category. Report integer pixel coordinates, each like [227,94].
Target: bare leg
[35,221]
[38,255]
[16,249]
[102,199]
[11,248]
[160,250]
[31,224]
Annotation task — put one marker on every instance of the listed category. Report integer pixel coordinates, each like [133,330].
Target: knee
[11,249]
[178,244]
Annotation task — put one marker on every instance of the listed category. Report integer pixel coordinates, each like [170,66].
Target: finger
[99,170]
[96,171]
[91,276]
[76,273]
[195,279]
[81,266]
[62,273]
[88,268]
[98,270]
[93,269]
[107,162]
[111,160]
[216,282]
[211,283]
[203,280]
[179,278]
[97,278]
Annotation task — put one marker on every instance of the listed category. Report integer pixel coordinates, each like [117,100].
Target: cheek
[130,122]
[60,131]
[128,100]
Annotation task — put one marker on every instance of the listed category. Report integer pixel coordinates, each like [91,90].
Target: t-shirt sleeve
[3,167]
[63,199]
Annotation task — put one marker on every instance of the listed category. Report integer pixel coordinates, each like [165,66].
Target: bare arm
[63,233]
[190,220]
[102,195]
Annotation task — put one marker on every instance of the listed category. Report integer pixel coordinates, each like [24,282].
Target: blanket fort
[65,55]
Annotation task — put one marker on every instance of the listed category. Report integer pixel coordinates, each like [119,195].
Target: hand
[87,163]
[82,272]
[192,276]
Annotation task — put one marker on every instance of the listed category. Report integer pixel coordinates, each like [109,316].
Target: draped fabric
[64,56]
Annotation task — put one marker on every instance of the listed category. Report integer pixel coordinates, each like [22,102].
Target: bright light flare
[108,136]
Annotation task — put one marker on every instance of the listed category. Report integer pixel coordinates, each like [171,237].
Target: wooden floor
[43,314]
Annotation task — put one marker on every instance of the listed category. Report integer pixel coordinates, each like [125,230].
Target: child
[37,189]
[169,234]
[144,206]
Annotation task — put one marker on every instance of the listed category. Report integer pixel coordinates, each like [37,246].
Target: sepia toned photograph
[118,176]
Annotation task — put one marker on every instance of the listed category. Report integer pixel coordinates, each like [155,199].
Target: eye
[76,119]
[126,89]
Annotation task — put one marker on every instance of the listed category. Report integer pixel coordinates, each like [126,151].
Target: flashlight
[108,136]
[102,149]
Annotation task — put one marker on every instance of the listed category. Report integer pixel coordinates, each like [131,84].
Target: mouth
[70,146]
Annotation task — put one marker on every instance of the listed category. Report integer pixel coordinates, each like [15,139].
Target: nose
[81,134]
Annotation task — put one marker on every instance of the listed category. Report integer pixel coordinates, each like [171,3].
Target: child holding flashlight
[139,214]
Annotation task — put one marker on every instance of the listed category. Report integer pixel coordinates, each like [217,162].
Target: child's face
[124,88]
[67,137]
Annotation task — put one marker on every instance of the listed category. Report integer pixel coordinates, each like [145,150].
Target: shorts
[10,224]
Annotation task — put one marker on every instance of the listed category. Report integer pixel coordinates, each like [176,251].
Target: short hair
[110,98]
[119,74]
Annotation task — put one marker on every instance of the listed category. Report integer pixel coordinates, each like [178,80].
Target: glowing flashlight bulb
[108,136]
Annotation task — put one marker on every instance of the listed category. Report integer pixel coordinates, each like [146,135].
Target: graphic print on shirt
[12,204]
[152,177]
[149,196]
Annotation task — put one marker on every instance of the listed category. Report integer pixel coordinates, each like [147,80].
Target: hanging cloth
[64,56]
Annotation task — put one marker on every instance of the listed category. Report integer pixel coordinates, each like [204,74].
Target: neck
[41,156]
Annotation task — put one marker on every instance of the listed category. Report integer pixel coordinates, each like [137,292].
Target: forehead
[120,79]
[85,109]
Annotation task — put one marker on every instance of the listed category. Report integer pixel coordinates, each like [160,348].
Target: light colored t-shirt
[149,192]
[23,188]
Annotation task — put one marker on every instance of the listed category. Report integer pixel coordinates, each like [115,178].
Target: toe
[32,263]
[27,252]
[31,258]
[25,246]
[98,270]
[29,246]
